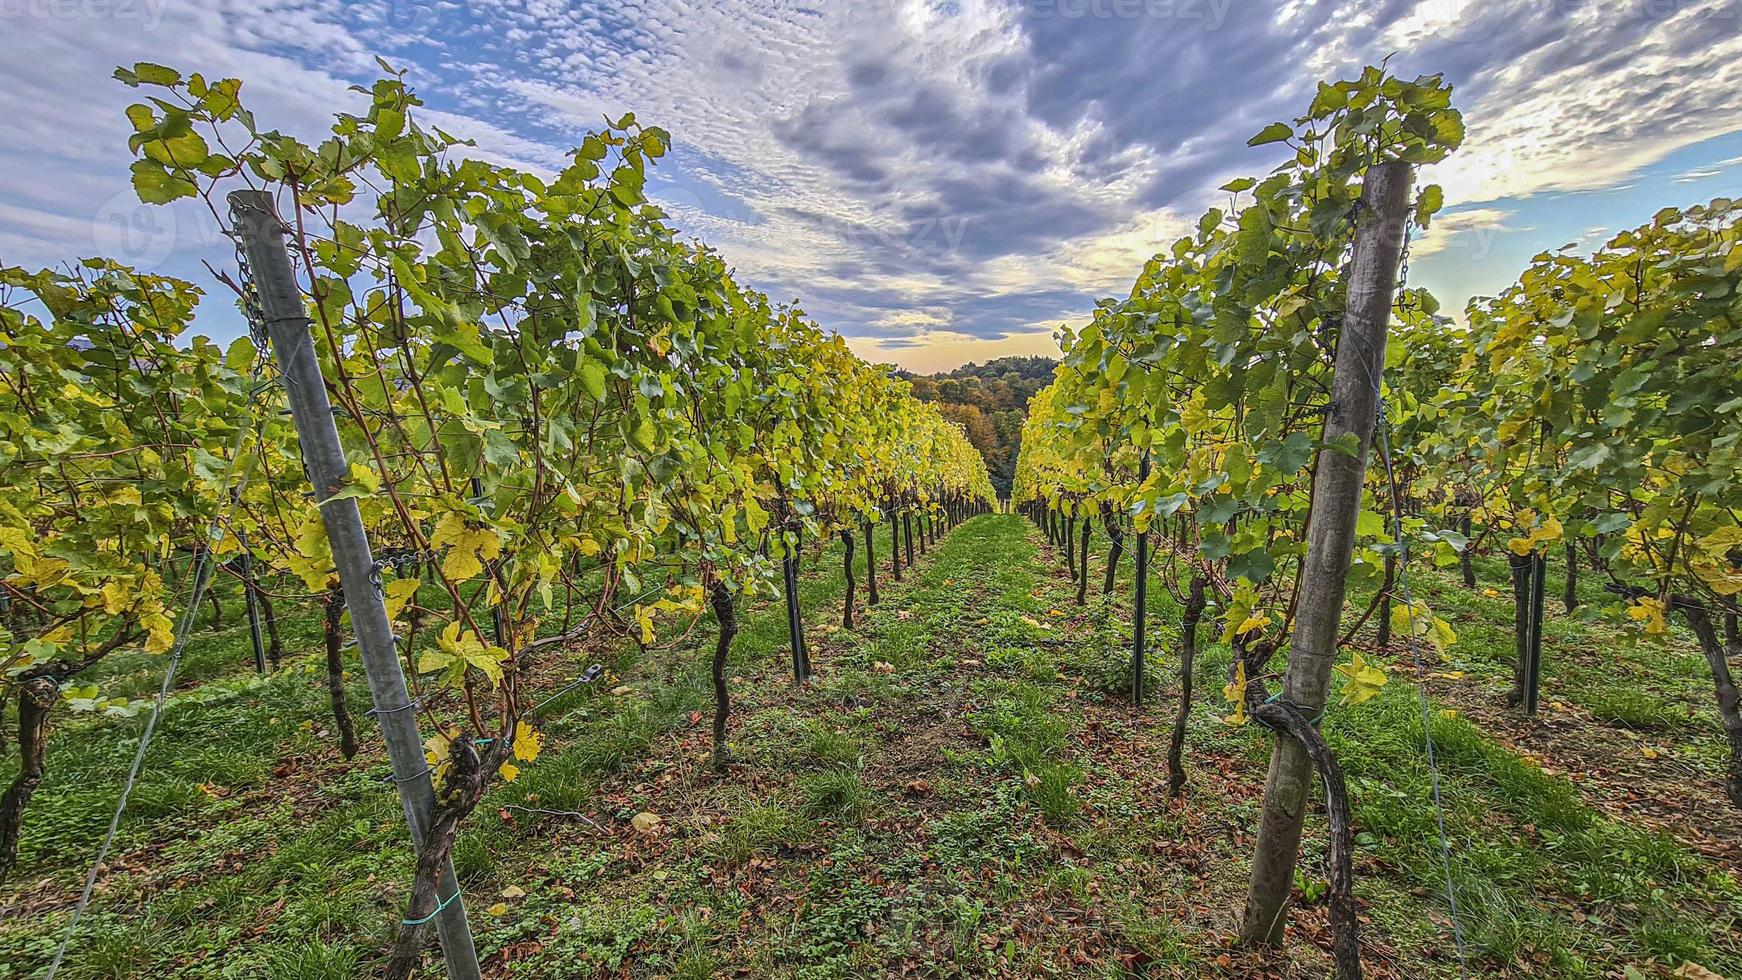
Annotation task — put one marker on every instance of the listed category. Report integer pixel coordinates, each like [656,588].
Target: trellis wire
[1408,596]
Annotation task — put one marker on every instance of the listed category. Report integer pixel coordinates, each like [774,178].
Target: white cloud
[928,171]
[1473,231]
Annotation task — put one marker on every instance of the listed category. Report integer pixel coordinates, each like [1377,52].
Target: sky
[937,180]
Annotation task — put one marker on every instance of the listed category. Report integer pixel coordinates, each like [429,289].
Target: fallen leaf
[646,822]
[497,909]
[514,891]
[621,690]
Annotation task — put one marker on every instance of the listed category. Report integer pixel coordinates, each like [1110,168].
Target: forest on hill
[990,401]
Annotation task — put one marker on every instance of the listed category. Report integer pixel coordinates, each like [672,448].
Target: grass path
[961,790]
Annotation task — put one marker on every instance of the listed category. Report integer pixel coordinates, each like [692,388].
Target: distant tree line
[990,401]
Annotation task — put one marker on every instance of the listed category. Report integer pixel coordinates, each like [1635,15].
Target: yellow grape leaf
[508,771]
[500,908]
[1235,691]
[159,632]
[1649,611]
[16,540]
[365,477]
[468,548]
[1548,532]
[312,560]
[644,618]
[455,653]
[1251,623]
[438,753]
[755,518]
[116,598]
[1362,680]
[399,593]
[1418,620]
[1711,561]
[45,573]
[527,742]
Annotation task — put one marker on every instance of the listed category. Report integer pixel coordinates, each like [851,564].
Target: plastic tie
[440,907]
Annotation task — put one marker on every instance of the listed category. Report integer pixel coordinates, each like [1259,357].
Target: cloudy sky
[939,180]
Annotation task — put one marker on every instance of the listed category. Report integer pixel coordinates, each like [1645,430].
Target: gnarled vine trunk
[1115,547]
[1466,557]
[334,607]
[462,786]
[1083,564]
[726,614]
[847,570]
[1345,928]
[1724,684]
[1188,635]
[1570,594]
[274,644]
[36,698]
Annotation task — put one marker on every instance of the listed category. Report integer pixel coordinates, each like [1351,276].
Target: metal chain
[251,308]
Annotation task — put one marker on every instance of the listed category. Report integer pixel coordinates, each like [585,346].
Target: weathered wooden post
[1336,503]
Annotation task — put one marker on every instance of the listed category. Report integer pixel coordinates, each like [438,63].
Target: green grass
[963,789]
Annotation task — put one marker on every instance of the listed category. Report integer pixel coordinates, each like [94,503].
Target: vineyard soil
[961,789]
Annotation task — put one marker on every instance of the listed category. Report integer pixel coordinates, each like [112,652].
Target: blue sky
[938,181]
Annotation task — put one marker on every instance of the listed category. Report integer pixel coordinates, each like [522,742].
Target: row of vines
[560,417]
[1592,410]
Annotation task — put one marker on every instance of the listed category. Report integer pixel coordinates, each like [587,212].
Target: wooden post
[245,564]
[1336,503]
[794,617]
[894,538]
[1533,659]
[1083,560]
